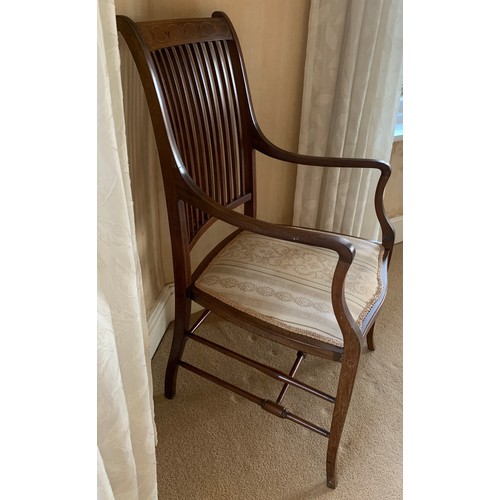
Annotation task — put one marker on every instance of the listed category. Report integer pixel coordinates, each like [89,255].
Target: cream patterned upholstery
[289,284]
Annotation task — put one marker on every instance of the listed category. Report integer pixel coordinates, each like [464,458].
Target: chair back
[195,83]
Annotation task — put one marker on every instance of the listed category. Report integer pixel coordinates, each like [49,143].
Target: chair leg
[181,326]
[343,398]
[369,338]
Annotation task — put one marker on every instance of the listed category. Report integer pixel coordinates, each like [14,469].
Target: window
[398,130]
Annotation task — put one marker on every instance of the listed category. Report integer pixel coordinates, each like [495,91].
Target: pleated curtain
[126,433]
[352,85]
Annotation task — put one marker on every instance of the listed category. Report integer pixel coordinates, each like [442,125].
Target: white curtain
[126,433]
[352,82]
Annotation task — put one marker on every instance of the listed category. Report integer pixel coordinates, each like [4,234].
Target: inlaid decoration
[158,34]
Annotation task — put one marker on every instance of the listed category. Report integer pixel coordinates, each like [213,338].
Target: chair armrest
[263,145]
[192,194]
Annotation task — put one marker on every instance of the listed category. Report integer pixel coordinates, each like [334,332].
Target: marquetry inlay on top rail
[158,34]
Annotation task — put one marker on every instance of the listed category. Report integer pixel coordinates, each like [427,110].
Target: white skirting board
[163,312]
[162,315]
[397,223]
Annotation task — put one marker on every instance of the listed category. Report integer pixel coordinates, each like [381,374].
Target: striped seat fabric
[289,284]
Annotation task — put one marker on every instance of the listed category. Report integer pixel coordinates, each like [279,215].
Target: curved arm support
[263,145]
[192,194]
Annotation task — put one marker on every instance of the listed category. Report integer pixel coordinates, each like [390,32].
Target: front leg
[343,398]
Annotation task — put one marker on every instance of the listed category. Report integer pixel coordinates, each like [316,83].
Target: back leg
[369,338]
[181,326]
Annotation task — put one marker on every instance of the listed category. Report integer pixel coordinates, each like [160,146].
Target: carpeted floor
[213,444]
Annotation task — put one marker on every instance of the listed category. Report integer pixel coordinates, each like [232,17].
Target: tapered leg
[343,398]
[369,338]
[181,326]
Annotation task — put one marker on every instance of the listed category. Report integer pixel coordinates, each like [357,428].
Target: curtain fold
[126,433]
[352,82]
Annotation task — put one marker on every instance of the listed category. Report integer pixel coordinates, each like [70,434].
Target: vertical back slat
[228,111]
[224,113]
[235,122]
[210,123]
[219,146]
[205,140]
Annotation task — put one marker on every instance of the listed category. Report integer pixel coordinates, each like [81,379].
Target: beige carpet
[213,444]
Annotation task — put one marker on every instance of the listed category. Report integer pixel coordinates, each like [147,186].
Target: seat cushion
[289,284]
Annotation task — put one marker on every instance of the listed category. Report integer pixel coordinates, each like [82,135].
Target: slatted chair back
[204,110]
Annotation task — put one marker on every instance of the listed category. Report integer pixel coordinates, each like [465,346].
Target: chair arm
[263,145]
[192,194]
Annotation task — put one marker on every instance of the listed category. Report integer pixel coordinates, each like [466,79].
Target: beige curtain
[352,87]
[126,434]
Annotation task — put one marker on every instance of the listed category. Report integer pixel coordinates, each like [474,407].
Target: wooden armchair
[316,292]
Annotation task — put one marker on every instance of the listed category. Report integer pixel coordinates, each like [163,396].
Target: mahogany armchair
[313,291]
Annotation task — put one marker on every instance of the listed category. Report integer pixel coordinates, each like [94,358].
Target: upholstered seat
[289,284]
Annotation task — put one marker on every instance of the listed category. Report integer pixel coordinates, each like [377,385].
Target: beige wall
[273,36]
